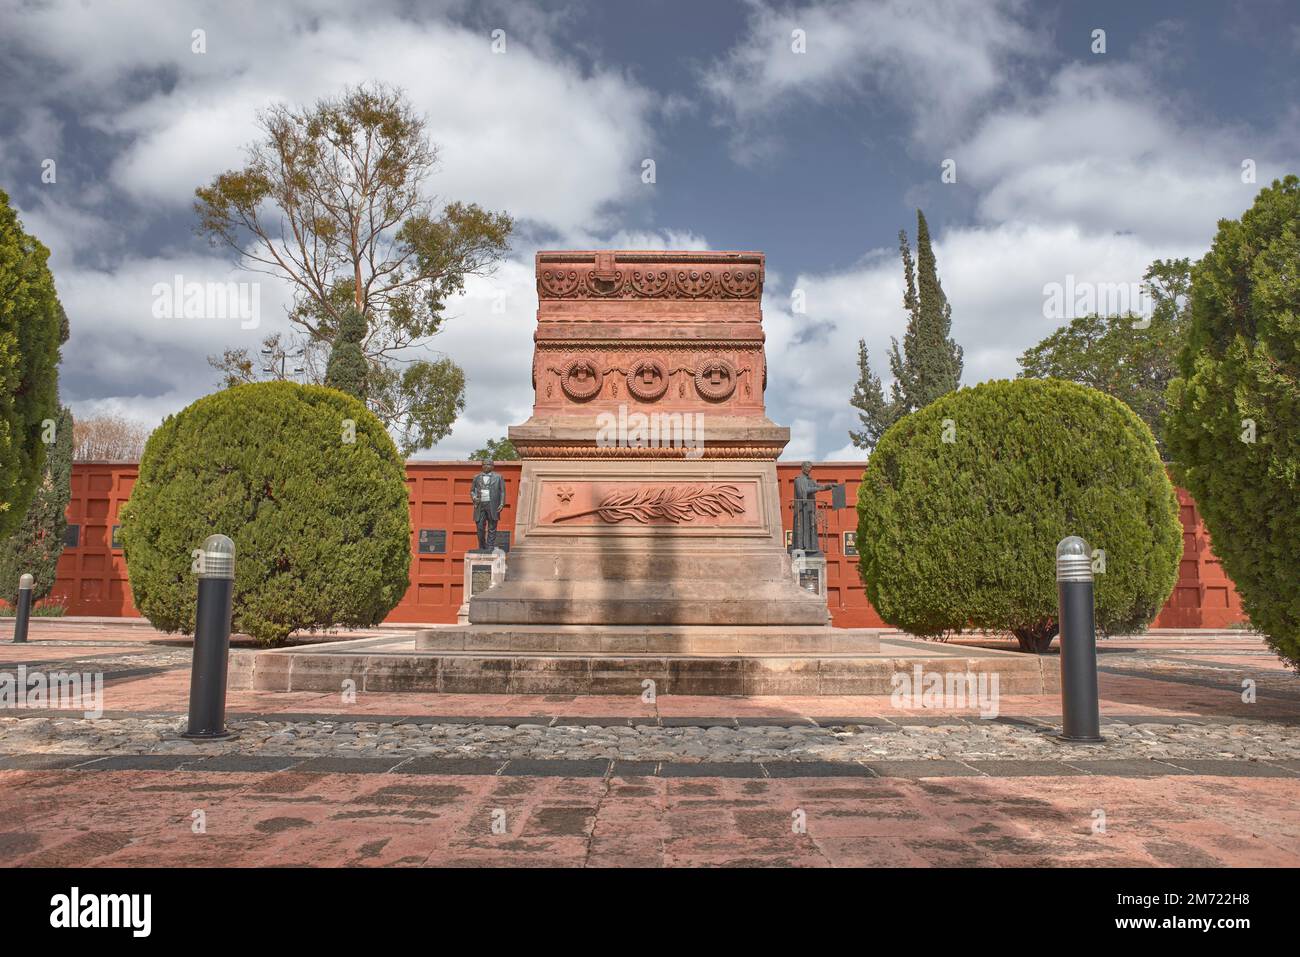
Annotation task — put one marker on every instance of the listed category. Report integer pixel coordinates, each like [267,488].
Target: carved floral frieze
[671,282]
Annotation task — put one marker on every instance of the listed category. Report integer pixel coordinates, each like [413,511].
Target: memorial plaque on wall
[850,544]
[72,536]
[480,579]
[433,541]
[116,540]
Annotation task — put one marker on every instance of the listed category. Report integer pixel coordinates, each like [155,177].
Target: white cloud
[938,59]
[1103,149]
[540,136]
[993,278]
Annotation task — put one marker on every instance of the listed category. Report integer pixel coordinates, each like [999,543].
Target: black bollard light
[212,640]
[1080,711]
[23,613]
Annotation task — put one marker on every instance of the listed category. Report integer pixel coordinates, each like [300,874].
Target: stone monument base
[810,573]
[483,570]
[724,565]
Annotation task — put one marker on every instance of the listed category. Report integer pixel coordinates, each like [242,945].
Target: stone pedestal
[648,493]
[810,573]
[483,570]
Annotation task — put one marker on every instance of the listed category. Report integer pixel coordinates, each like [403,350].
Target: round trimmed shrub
[964,501]
[321,526]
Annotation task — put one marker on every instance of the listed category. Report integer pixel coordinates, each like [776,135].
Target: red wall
[92,575]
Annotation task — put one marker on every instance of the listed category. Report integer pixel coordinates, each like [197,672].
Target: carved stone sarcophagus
[648,493]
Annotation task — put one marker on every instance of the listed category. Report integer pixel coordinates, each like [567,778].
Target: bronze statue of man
[805,511]
[488,493]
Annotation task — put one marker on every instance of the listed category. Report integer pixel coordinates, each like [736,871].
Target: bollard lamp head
[218,557]
[1073,560]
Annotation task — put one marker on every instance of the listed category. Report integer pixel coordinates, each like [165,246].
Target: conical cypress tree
[348,369]
[934,360]
[874,412]
[928,364]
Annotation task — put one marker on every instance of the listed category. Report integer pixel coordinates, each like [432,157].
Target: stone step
[617,565]
[319,668]
[643,639]
[738,602]
[646,611]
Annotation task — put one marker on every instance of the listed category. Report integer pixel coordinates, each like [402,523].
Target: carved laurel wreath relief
[648,378]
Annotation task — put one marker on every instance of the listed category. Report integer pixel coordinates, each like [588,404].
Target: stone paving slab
[1003,769]
[451,766]
[339,765]
[556,768]
[938,768]
[711,769]
[244,762]
[812,769]
[1121,767]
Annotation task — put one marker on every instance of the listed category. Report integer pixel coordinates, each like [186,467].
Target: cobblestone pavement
[959,740]
[1200,767]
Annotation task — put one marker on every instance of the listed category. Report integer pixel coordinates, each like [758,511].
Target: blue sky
[1070,164]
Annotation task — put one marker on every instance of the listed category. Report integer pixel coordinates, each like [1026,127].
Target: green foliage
[334,199]
[1233,421]
[38,542]
[963,533]
[321,527]
[930,362]
[496,450]
[347,369]
[32,327]
[875,413]
[422,399]
[1121,355]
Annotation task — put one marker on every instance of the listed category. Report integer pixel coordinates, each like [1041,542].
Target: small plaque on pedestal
[809,572]
[482,571]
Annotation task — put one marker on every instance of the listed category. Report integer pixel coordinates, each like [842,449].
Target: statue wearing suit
[488,493]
